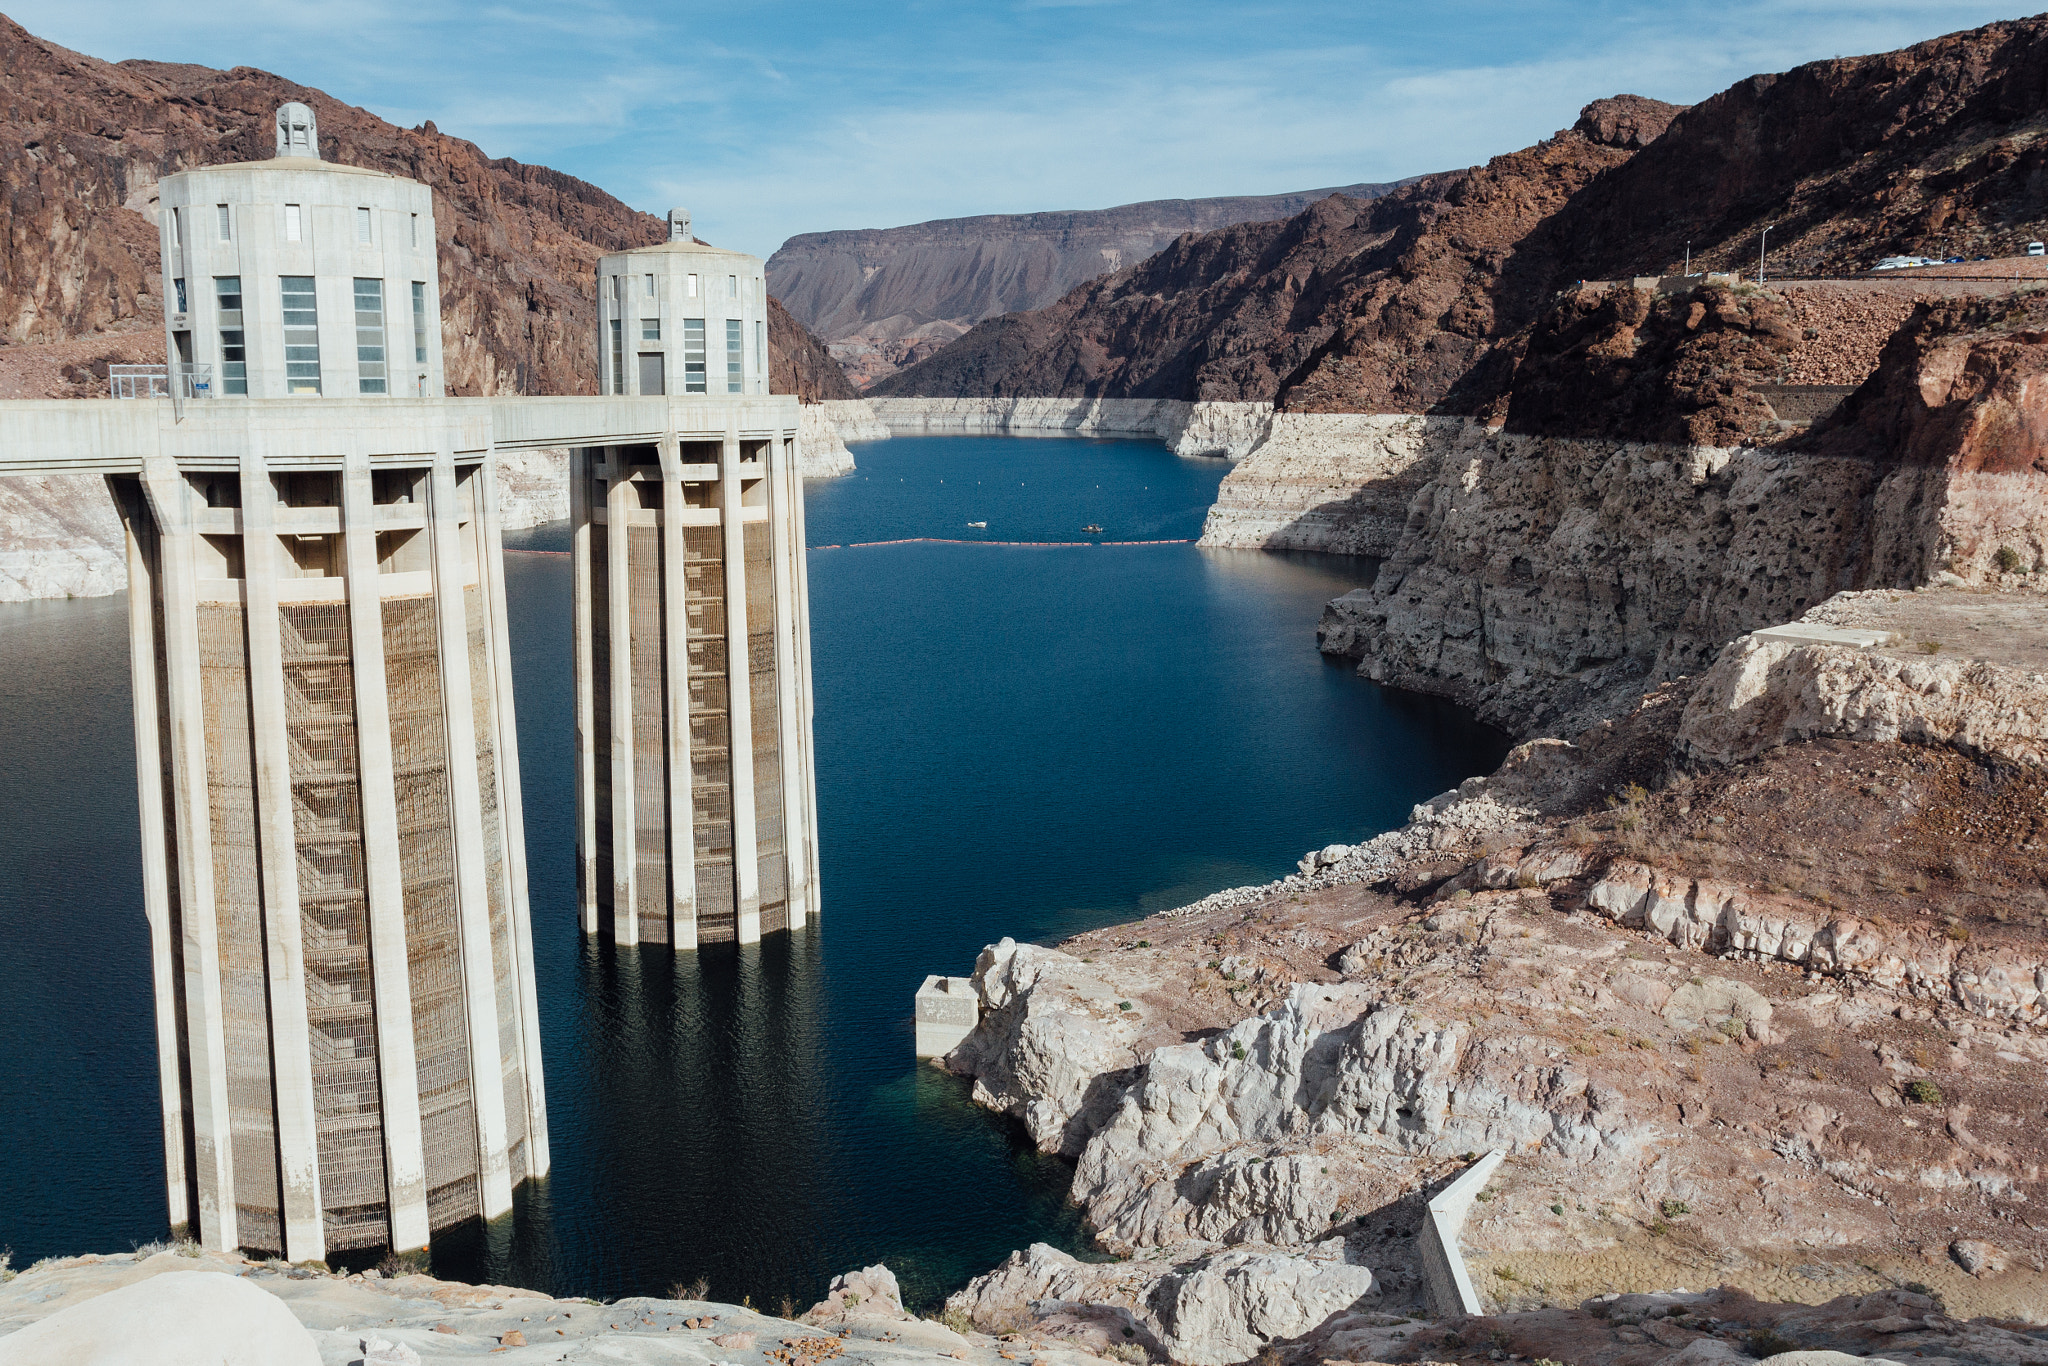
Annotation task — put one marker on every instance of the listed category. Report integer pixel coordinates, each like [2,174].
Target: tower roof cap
[298,132]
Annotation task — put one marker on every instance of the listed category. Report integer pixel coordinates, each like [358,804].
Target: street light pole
[1688,259]
[1762,246]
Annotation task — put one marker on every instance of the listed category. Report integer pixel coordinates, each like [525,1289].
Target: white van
[2036,249]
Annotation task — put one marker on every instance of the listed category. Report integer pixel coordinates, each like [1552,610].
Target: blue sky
[770,119]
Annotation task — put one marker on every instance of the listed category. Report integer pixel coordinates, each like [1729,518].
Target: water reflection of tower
[695,791]
[706,1075]
[343,968]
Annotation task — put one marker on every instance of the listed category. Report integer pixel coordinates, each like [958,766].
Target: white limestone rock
[1174,1161]
[870,1292]
[533,487]
[1760,694]
[1226,1308]
[821,436]
[180,1318]
[1052,1048]
[1336,482]
[59,538]
[1230,430]
[1206,1307]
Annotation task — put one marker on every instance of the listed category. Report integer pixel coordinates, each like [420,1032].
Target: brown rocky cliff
[83,143]
[1384,306]
[798,362]
[1935,148]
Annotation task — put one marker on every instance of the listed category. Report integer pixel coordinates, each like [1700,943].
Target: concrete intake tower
[334,868]
[696,796]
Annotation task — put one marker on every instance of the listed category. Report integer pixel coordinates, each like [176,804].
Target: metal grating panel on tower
[710,733]
[327,823]
[238,918]
[426,856]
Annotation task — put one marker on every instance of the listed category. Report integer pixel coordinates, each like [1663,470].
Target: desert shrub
[1930,647]
[404,1263]
[1671,1209]
[955,1318]
[699,1289]
[1923,1092]
[1767,1342]
[1237,1051]
[2008,560]
[1128,1352]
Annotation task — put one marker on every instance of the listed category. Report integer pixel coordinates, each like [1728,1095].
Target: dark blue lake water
[1011,740]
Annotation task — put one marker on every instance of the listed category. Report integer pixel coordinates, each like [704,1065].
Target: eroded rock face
[1205,1307]
[1763,693]
[1199,1148]
[1052,1047]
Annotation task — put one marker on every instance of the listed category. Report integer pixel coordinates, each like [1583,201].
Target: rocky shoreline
[1704,1071]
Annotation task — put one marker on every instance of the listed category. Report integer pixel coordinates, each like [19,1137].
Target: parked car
[2037,249]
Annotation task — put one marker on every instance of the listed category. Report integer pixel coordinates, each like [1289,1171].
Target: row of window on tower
[301,333]
[696,373]
[294,225]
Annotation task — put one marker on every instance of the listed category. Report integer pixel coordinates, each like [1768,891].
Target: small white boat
[983,525]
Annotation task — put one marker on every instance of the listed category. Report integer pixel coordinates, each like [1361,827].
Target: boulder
[870,1292]
[1711,1000]
[1225,1309]
[180,1318]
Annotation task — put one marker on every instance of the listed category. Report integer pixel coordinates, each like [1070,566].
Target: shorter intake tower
[696,798]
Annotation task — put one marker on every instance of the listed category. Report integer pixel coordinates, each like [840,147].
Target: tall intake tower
[334,868]
[696,797]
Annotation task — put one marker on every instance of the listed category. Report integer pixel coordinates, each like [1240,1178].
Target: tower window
[692,291]
[178,289]
[234,353]
[415,232]
[362,225]
[693,354]
[301,335]
[733,358]
[226,224]
[293,232]
[650,286]
[650,329]
[419,321]
[618,353]
[178,227]
[370,377]
[732,286]
[760,345]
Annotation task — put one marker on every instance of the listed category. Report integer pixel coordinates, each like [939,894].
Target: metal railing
[194,380]
[138,381]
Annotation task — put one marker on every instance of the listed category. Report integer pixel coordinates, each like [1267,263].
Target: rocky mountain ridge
[884,297]
[1418,302]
